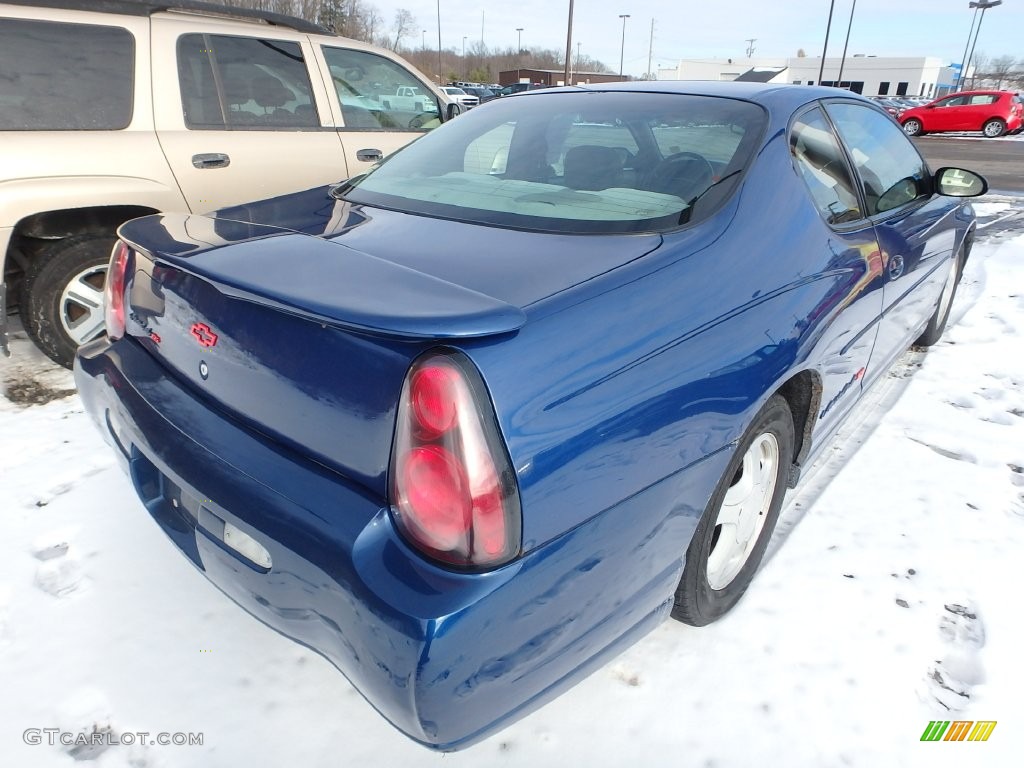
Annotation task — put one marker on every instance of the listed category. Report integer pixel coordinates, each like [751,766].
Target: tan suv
[135,108]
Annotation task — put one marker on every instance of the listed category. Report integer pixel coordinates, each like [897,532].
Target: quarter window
[244,83]
[59,77]
[821,162]
[377,94]
[889,166]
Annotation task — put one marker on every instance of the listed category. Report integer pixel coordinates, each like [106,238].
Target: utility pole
[440,74]
[568,46]
[750,46]
[650,51]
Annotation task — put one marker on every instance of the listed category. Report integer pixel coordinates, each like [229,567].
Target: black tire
[913,127]
[937,324]
[49,317]
[696,601]
[993,128]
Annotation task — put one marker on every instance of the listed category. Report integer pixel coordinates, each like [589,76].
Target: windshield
[579,161]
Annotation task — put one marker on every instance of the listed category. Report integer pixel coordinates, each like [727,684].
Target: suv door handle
[211,160]
[369,155]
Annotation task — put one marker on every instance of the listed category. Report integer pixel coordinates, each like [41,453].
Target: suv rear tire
[62,296]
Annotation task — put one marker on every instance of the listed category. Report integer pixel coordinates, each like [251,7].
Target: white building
[869,75]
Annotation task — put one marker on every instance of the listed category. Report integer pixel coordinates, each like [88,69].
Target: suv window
[560,163]
[244,83]
[377,93]
[889,166]
[821,162]
[58,77]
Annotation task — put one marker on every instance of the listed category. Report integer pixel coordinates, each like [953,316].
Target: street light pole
[963,59]
[622,50]
[984,5]
[519,52]
[828,29]
[423,45]
[842,61]
[465,69]
[440,75]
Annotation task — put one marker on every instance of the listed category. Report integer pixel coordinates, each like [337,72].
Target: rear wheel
[734,530]
[913,127]
[937,325]
[62,299]
[994,128]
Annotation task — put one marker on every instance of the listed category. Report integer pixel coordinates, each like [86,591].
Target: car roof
[143,8]
[781,96]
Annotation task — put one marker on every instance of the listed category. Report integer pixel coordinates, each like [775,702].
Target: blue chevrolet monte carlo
[474,422]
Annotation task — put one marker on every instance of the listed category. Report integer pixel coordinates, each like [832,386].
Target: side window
[889,166]
[378,94]
[956,101]
[60,77]
[244,83]
[821,162]
[983,99]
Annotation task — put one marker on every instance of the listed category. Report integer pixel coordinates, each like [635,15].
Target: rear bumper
[447,658]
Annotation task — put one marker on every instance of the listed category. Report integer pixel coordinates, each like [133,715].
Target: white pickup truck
[119,109]
[408,98]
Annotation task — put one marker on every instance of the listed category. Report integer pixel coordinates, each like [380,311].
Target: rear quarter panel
[643,372]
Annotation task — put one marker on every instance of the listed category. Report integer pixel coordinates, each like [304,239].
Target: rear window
[579,162]
[63,77]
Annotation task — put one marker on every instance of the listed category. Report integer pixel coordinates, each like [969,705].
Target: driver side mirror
[452,111]
[957,182]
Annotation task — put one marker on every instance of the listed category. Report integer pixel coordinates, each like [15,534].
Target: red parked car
[991,112]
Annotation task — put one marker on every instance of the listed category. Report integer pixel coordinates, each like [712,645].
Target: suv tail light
[113,291]
[453,492]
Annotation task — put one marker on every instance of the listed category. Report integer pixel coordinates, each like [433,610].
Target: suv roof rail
[144,8]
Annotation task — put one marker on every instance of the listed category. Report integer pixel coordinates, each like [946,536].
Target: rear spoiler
[320,280]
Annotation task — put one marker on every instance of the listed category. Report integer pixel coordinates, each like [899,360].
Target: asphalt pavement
[1001,161]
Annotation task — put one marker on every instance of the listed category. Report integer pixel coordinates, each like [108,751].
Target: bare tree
[979,65]
[1000,69]
[403,25]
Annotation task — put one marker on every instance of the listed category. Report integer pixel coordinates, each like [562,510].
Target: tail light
[453,492]
[113,291]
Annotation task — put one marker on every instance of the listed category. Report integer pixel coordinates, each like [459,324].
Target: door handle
[369,155]
[896,266]
[211,160]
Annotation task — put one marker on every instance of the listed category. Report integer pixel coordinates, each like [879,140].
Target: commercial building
[557,77]
[869,75]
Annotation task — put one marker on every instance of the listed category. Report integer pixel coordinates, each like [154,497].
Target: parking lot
[1001,161]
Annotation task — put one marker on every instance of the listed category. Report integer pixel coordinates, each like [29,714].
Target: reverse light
[113,291]
[453,492]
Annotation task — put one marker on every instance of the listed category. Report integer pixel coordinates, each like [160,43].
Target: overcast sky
[719,28]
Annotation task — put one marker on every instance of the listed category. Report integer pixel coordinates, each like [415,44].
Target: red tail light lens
[453,491]
[113,291]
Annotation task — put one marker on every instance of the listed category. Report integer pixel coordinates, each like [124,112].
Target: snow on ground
[891,598]
[977,135]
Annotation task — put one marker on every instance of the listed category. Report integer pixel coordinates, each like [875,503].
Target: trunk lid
[308,339]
